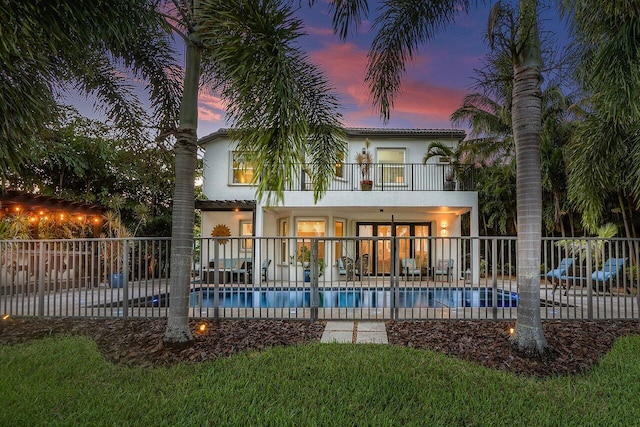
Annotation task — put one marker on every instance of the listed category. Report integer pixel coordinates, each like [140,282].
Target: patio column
[258,231]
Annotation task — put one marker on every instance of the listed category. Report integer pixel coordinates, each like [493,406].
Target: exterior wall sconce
[443,226]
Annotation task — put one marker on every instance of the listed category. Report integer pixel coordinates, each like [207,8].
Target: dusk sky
[432,89]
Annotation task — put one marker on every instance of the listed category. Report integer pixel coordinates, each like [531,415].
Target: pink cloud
[318,31]
[344,64]
[210,107]
[418,100]
[423,98]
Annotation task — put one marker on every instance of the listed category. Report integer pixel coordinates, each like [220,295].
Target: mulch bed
[575,346]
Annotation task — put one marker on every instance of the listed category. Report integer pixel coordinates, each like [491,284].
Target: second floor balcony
[393,177]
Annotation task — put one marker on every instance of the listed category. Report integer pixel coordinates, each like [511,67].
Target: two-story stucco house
[421,200]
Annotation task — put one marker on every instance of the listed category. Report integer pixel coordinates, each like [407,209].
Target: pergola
[38,207]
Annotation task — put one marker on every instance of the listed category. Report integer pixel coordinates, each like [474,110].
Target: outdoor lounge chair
[556,275]
[242,274]
[608,274]
[443,268]
[409,267]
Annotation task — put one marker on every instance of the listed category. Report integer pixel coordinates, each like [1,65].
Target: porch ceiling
[367,210]
[226,205]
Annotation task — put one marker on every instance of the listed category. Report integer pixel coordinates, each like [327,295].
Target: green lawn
[65,381]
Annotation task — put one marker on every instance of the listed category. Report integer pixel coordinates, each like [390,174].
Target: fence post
[494,277]
[125,277]
[313,259]
[216,282]
[395,291]
[41,267]
[589,283]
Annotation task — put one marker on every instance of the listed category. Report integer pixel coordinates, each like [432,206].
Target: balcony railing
[394,177]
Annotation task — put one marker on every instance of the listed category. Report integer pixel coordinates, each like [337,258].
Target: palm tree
[488,110]
[608,72]
[84,45]
[278,103]
[401,26]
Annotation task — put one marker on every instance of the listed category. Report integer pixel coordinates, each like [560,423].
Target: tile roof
[365,132]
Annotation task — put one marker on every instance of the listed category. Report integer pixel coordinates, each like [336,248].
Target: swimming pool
[446,297]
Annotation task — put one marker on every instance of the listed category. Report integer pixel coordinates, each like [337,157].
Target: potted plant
[451,160]
[303,256]
[112,251]
[364,160]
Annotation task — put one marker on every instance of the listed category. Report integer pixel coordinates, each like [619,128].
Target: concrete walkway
[355,332]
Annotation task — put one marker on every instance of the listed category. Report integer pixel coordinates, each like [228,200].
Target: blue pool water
[353,297]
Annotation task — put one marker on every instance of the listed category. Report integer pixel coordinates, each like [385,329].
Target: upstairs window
[391,164]
[242,170]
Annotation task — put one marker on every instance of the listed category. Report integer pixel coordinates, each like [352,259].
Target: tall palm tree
[401,26]
[277,101]
[488,112]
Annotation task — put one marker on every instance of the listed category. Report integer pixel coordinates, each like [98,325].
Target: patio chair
[362,266]
[265,269]
[409,267]
[242,274]
[556,275]
[345,267]
[444,267]
[608,274]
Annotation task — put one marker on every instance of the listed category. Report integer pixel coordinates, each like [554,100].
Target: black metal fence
[319,278]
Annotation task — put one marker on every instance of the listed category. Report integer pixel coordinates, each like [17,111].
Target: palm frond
[348,14]
[401,27]
[279,102]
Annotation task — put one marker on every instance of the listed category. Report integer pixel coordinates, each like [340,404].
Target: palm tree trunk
[526,111]
[178,332]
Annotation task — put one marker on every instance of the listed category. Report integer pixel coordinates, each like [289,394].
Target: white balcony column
[258,230]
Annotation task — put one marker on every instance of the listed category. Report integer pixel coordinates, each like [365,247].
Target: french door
[411,241]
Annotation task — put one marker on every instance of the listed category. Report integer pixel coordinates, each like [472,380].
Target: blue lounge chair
[560,271]
[556,275]
[608,274]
